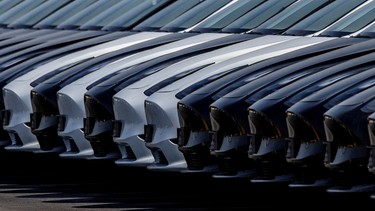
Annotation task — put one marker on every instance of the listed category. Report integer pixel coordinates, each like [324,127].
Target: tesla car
[160,106]
[195,137]
[195,104]
[112,36]
[74,133]
[345,125]
[99,97]
[44,118]
[129,113]
[244,7]
[228,117]
[267,116]
[213,5]
[233,106]
[163,130]
[189,150]
[16,125]
[371,132]
[299,116]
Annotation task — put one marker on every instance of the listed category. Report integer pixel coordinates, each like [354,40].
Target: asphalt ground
[46,182]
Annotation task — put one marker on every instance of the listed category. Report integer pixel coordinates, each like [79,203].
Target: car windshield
[39,13]
[353,22]
[6,5]
[18,11]
[324,17]
[88,14]
[368,32]
[106,12]
[290,16]
[257,16]
[174,13]
[63,14]
[136,15]
[195,15]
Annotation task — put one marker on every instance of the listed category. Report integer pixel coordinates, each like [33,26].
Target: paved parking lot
[45,182]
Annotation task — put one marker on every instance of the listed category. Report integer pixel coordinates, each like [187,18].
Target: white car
[128,103]
[17,92]
[70,98]
[196,147]
[132,155]
[227,9]
[161,106]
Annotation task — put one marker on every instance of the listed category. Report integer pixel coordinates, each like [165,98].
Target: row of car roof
[274,91]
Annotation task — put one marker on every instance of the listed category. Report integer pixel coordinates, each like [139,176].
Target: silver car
[18,92]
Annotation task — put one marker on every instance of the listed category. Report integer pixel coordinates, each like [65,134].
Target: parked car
[15,126]
[195,137]
[298,116]
[216,18]
[233,106]
[213,5]
[120,42]
[303,149]
[160,105]
[345,125]
[164,130]
[178,65]
[192,108]
[45,115]
[129,112]
[270,110]
[371,132]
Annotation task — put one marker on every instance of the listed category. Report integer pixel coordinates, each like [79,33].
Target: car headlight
[223,124]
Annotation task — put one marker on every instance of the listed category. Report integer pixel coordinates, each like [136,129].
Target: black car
[153,23]
[233,106]
[197,155]
[304,121]
[345,125]
[43,95]
[15,66]
[371,131]
[303,148]
[193,107]
[115,84]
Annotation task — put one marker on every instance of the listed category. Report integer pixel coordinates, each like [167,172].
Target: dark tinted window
[169,14]
[195,15]
[6,5]
[88,14]
[137,14]
[259,15]
[353,22]
[39,13]
[64,13]
[18,11]
[109,12]
[324,17]
[293,14]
